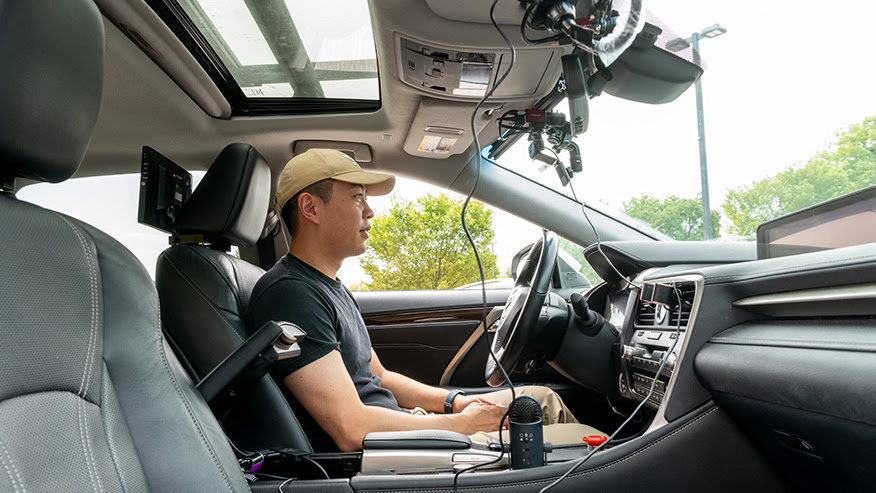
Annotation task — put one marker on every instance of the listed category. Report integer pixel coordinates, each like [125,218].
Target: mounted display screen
[841,222]
[164,188]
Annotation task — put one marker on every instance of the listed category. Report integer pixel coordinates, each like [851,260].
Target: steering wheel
[516,326]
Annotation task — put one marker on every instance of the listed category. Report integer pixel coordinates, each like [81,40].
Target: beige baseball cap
[315,165]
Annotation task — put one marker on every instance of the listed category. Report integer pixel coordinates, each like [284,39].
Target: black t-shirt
[293,291]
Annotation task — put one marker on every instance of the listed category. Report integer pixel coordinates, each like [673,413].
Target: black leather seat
[91,397]
[204,291]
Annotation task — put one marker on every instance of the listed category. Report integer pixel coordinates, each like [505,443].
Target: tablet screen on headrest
[164,188]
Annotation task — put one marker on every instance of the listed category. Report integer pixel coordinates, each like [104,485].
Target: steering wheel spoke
[517,327]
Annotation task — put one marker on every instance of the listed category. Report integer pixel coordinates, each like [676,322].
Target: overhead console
[463,74]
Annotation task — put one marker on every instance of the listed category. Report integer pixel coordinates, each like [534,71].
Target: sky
[783,79]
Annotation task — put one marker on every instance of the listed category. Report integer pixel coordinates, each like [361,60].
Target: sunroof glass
[292,48]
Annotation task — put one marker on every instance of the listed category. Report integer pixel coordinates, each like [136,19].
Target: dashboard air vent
[646,314]
[655,315]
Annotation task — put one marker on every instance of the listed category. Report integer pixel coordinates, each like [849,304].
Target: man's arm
[410,393]
[326,391]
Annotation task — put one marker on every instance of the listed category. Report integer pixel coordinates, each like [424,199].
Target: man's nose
[367,213]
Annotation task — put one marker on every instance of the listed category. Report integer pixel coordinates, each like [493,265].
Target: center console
[659,316]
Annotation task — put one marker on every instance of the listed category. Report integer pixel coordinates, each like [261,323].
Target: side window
[108,203]
[416,243]
[575,272]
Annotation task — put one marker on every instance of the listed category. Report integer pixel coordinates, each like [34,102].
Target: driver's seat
[204,292]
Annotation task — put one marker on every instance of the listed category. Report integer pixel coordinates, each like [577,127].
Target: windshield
[788,121]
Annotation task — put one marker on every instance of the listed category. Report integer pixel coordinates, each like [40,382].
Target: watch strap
[448,402]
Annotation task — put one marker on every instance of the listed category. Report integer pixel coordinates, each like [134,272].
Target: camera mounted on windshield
[559,17]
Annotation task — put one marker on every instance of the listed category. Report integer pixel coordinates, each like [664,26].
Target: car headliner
[156,94]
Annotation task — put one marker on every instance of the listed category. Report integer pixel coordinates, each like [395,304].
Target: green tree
[848,165]
[677,217]
[577,252]
[421,245]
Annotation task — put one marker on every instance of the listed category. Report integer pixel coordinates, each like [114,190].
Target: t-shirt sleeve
[299,303]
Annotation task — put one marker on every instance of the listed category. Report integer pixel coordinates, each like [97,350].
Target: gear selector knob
[587,318]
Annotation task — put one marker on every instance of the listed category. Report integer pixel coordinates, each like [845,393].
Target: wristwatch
[448,402]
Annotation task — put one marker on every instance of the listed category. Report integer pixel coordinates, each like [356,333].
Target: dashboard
[784,346]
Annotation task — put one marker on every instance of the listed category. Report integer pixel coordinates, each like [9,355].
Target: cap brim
[376,183]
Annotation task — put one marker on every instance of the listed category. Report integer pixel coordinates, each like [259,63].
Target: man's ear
[308,207]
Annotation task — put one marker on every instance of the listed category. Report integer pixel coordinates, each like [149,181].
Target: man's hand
[482,416]
[463,401]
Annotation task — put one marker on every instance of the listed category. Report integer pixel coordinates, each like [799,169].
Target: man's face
[347,218]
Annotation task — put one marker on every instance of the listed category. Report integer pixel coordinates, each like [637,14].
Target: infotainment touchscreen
[844,221]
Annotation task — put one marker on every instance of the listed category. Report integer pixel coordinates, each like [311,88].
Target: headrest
[51,77]
[230,204]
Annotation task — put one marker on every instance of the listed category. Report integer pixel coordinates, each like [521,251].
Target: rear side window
[108,203]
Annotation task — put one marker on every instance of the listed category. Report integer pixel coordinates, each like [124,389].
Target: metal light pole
[694,42]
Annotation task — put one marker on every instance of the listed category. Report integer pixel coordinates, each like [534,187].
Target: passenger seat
[91,398]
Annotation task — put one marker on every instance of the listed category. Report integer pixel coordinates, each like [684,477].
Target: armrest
[273,341]
[416,440]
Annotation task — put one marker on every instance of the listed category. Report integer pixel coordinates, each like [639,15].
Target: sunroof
[288,54]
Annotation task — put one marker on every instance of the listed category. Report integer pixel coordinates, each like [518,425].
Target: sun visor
[443,128]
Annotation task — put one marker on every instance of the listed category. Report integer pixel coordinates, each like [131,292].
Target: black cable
[494,461]
[525,21]
[478,158]
[663,361]
[592,227]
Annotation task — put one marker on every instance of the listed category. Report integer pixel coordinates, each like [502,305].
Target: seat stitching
[90,448]
[206,300]
[3,458]
[92,344]
[86,374]
[82,442]
[291,412]
[106,436]
[186,404]
[221,273]
[237,280]
[540,481]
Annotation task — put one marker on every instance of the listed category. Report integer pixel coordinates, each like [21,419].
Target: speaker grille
[525,409]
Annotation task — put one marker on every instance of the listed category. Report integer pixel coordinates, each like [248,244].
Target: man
[338,379]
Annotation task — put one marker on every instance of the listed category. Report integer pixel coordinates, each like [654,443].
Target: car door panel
[418,333]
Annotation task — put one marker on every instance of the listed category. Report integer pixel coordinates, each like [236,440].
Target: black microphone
[527,435]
